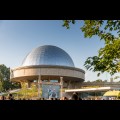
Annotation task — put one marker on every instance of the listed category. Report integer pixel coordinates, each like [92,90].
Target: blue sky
[19,37]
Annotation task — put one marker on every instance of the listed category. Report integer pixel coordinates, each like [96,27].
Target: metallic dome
[48,55]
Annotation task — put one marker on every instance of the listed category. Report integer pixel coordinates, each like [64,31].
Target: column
[61,84]
[69,86]
[29,84]
[39,86]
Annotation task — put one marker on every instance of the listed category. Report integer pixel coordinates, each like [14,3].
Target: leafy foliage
[108,59]
[5,83]
[67,23]
[26,92]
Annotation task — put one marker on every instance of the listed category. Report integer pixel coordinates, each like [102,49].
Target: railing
[101,84]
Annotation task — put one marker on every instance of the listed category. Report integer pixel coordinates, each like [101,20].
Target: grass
[28,93]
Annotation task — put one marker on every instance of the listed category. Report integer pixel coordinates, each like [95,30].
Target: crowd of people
[74,96]
[11,97]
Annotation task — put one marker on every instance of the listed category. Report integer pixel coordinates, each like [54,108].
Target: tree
[5,83]
[108,59]
[1,86]
[99,80]
[88,81]
[116,77]
[105,81]
[4,77]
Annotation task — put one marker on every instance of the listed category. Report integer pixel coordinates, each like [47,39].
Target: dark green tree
[5,83]
[108,58]
[4,77]
[99,80]
[105,81]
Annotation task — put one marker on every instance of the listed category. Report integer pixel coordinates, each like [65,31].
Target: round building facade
[47,63]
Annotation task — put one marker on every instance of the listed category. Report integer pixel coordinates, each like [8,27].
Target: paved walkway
[11,91]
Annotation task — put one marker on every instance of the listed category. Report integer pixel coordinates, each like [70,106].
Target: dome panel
[48,55]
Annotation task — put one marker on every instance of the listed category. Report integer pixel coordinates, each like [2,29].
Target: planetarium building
[47,63]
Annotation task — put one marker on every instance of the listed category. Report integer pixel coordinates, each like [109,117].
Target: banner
[50,91]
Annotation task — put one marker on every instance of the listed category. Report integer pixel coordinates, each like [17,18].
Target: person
[43,98]
[10,97]
[75,96]
[51,99]
[64,98]
[56,98]
[54,94]
[2,97]
[39,99]
[80,98]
